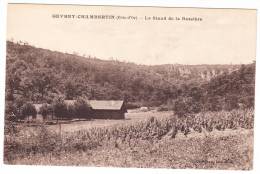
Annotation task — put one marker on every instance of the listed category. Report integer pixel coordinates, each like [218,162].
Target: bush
[184,106]
[10,111]
[82,108]
[231,102]
[133,105]
[28,109]
[59,107]
[71,113]
[14,107]
[247,102]
[45,110]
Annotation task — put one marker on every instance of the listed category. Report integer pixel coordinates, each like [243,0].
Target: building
[105,109]
[108,109]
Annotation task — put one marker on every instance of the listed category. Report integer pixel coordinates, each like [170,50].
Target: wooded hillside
[39,75]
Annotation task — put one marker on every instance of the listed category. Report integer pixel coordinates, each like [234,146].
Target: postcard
[130,86]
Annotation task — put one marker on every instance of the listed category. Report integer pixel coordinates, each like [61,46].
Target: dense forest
[39,76]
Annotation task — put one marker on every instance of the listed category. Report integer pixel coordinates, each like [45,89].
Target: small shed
[108,109]
[105,109]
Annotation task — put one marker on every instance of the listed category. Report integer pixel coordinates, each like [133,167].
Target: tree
[213,103]
[59,107]
[82,108]
[18,103]
[196,93]
[247,102]
[14,73]
[70,88]
[187,105]
[70,111]
[180,107]
[42,80]
[231,102]
[28,109]
[10,111]
[45,110]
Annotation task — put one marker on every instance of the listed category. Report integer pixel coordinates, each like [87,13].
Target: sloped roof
[106,104]
[101,104]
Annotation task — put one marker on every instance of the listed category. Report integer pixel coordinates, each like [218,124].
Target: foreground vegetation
[191,142]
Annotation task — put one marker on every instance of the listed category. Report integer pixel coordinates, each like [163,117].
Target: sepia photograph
[130,86]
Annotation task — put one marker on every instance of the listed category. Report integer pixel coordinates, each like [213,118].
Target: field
[131,117]
[229,150]
[220,140]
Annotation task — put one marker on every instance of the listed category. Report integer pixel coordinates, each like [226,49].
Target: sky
[222,36]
